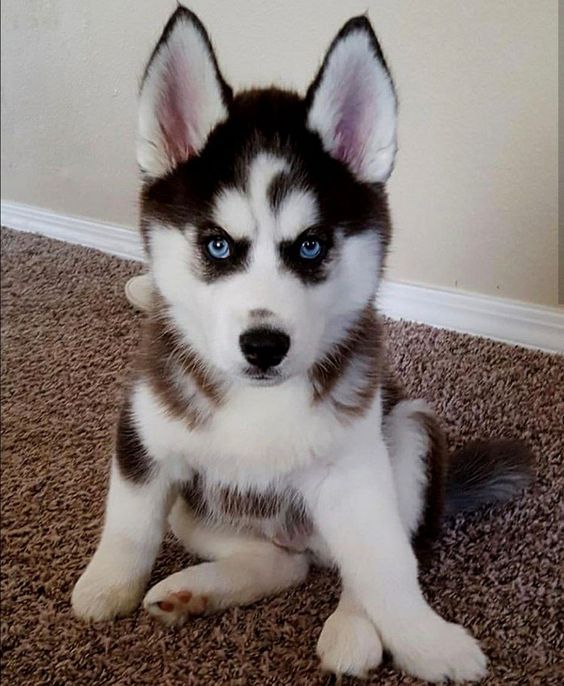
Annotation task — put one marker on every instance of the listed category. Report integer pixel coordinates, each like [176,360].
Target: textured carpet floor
[67,337]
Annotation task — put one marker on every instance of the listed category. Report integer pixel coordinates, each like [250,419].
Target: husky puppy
[262,420]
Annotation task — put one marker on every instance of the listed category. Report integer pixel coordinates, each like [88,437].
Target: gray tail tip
[486,472]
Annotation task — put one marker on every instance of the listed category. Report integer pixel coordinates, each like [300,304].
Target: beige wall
[474,194]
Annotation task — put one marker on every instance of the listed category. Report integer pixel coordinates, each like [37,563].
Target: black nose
[264,348]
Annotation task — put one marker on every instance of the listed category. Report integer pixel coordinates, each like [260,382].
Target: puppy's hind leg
[418,457]
[243,569]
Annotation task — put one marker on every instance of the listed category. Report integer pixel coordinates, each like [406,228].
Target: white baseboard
[110,238]
[510,321]
[531,326]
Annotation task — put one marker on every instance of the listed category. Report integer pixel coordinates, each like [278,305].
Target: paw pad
[165,606]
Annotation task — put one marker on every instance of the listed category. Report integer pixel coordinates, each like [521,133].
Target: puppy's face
[264,215]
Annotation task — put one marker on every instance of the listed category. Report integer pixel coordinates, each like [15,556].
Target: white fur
[246,214]
[233,450]
[359,490]
[345,391]
[297,212]
[354,109]
[181,79]
[349,642]
[114,581]
[233,212]
[408,443]
[245,569]
[347,479]
[262,171]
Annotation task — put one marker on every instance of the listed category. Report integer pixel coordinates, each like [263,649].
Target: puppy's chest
[277,513]
[259,435]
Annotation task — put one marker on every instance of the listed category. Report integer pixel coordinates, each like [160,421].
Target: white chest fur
[256,437]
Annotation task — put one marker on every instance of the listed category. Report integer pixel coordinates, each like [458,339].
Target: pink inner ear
[177,110]
[354,124]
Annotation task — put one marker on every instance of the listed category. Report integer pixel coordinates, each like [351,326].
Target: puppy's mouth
[259,377]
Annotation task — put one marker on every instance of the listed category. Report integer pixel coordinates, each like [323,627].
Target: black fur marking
[132,459]
[271,121]
[435,465]
[212,269]
[310,271]
[361,344]
[245,509]
[285,183]
[392,391]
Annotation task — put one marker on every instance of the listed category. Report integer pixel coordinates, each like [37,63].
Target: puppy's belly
[278,515]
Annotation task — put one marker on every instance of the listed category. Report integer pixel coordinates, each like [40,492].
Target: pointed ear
[352,103]
[183,96]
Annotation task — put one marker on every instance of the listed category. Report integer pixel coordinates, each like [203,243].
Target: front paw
[349,644]
[436,650]
[103,593]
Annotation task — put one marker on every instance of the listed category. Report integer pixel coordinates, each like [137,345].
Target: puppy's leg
[418,454]
[113,582]
[355,508]
[245,569]
[349,642]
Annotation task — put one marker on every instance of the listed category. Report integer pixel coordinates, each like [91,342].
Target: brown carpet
[67,337]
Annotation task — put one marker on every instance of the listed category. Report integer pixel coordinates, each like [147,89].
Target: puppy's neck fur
[346,378]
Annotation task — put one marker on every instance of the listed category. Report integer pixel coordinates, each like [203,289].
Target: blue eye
[310,249]
[219,248]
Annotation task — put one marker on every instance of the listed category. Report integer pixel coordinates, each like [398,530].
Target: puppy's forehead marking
[248,212]
[297,212]
[232,211]
[244,212]
[264,168]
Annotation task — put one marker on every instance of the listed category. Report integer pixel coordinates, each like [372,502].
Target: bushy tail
[486,472]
